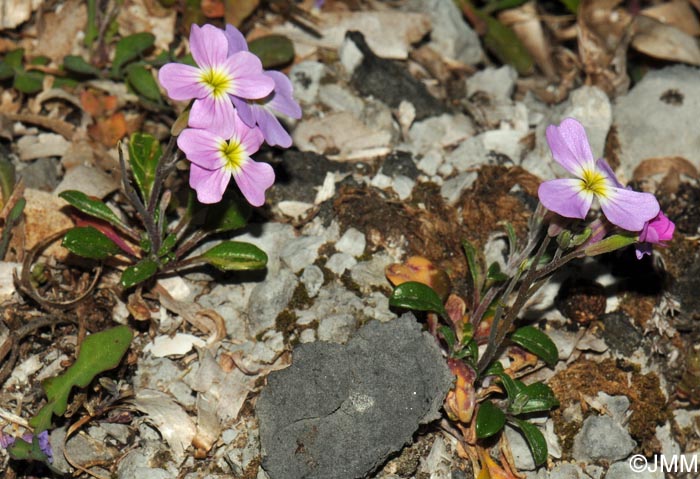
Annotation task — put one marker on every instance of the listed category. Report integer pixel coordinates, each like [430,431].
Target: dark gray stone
[391,83]
[620,334]
[340,410]
[400,163]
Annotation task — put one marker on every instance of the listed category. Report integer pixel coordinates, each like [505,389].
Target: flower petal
[282,100]
[236,40]
[249,138]
[248,79]
[565,197]
[208,45]
[641,249]
[272,129]
[603,166]
[244,110]
[569,145]
[201,147]
[253,179]
[216,115]
[629,209]
[209,184]
[181,82]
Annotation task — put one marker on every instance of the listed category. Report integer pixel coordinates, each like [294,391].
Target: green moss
[300,298]
[286,323]
[350,283]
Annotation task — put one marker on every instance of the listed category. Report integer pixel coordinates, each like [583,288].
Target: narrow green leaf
[571,5]
[10,222]
[168,244]
[535,439]
[235,256]
[498,5]
[78,64]
[88,242]
[449,336]
[489,420]
[138,273]
[6,71]
[144,153]
[512,239]
[130,48]
[92,29]
[537,342]
[142,81]
[473,264]
[582,237]
[512,386]
[14,58]
[536,397]
[418,296]
[611,243]
[29,81]
[91,206]
[495,274]
[98,353]
[505,44]
[273,50]
[42,60]
[7,178]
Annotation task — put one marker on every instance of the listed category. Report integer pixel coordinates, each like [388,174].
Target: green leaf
[495,274]
[512,386]
[29,82]
[10,222]
[98,353]
[144,155]
[494,369]
[498,5]
[167,246]
[535,397]
[7,178]
[273,50]
[535,439]
[611,243]
[472,263]
[512,238]
[92,29]
[6,71]
[42,60]
[226,215]
[418,296]
[449,336]
[537,342]
[571,5]
[77,64]
[235,256]
[130,48]
[27,451]
[138,273]
[142,81]
[14,58]
[582,237]
[505,44]
[88,242]
[91,206]
[489,420]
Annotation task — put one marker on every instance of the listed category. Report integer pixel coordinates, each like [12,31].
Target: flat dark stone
[390,83]
[339,411]
[400,163]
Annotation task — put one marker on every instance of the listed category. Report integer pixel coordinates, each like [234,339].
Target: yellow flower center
[217,81]
[593,181]
[233,155]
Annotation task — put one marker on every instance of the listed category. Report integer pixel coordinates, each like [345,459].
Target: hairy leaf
[88,242]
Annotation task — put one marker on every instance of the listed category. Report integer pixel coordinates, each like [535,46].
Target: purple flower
[216,78]
[7,441]
[655,231]
[572,197]
[262,112]
[216,157]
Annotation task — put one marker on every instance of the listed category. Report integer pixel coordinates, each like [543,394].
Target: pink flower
[262,112]
[655,231]
[572,197]
[216,157]
[216,78]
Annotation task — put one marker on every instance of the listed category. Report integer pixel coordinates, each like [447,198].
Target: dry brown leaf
[525,22]
[57,31]
[239,10]
[657,166]
[655,39]
[16,12]
[110,130]
[677,13]
[213,8]
[603,37]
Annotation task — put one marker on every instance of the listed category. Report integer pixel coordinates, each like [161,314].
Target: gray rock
[521,451]
[658,118]
[312,278]
[439,132]
[452,189]
[497,82]
[622,470]
[270,237]
[150,460]
[616,406]
[560,471]
[352,242]
[82,448]
[306,80]
[301,252]
[620,334]
[340,262]
[163,374]
[338,98]
[339,411]
[41,174]
[269,299]
[602,438]
[400,163]
[403,186]
[451,36]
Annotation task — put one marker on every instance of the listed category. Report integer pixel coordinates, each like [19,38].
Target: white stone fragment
[44,145]
[176,345]
[340,262]
[352,242]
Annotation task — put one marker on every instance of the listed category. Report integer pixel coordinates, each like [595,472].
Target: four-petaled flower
[262,112]
[572,197]
[655,231]
[216,78]
[216,156]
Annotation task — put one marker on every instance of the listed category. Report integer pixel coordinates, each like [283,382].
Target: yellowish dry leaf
[657,40]
[526,24]
[677,13]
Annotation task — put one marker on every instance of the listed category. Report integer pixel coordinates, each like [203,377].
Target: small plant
[232,97]
[486,395]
